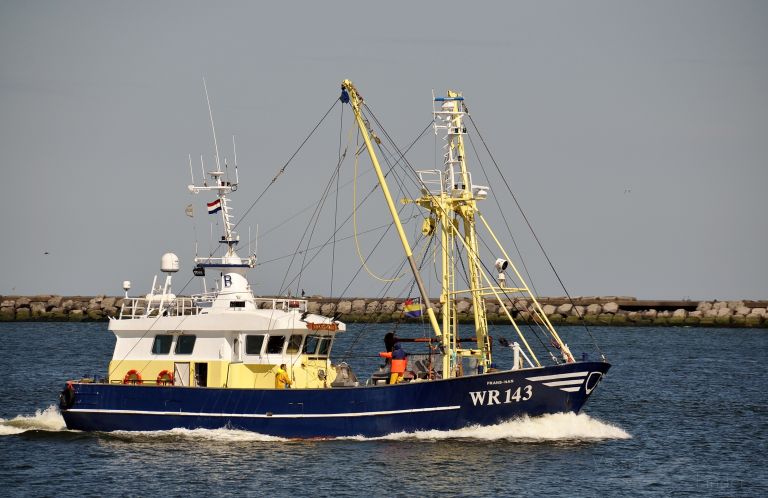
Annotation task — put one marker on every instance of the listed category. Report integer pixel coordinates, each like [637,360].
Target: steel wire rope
[383,292]
[317,219]
[354,229]
[530,227]
[503,217]
[359,269]
[402,264]
[312,205]
[389,284]
[512,299]
[282,170]
[336,204]
[465,277]
[509,231]
[367,196]
[315,216]
[421,183]
[321,246]
[159,315]
[212,251]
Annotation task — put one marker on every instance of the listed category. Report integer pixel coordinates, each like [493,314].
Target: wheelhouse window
[317,346]
[185,344]
[294,344]
[310,346]
[325,345]
[275,344]
[253,344]
[162,344]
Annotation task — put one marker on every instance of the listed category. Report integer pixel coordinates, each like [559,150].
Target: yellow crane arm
[355,100]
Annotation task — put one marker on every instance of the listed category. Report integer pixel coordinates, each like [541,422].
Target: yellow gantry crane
[451,199]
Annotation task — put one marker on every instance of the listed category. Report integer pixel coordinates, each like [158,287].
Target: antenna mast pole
[213,128]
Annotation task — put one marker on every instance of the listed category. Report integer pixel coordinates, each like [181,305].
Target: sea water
[683,411]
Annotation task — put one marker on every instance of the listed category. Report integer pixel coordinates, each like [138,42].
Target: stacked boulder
[58,308]
[590,310]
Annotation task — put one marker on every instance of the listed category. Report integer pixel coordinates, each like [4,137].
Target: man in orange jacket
[398,363]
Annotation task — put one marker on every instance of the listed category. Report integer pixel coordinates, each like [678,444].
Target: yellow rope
[354,226]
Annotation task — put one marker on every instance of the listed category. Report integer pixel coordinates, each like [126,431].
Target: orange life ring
[165,378]
[132,377]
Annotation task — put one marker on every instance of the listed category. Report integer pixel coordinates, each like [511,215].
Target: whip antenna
[234,149]
[213,128]
[190,168]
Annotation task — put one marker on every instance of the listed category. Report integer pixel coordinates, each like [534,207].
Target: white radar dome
[169,263]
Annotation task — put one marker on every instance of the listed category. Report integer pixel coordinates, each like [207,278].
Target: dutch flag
[214,207]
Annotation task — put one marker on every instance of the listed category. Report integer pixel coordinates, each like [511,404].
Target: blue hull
[348,411]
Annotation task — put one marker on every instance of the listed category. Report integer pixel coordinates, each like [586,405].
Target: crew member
[281,378]
[398,363]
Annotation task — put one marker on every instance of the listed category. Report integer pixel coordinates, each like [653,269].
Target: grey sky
[635,134]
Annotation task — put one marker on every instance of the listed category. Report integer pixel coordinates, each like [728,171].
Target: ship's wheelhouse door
[181,374]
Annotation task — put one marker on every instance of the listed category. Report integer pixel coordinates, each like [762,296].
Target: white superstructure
[224,338]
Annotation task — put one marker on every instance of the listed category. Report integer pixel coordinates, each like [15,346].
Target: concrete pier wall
[595,310]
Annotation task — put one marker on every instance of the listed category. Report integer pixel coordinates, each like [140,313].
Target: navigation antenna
[213,128]
[190,169]
[234,149]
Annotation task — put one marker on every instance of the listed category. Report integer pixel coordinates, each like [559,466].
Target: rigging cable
[336,205]
[323,245]
[282,170]
[349,217]
[354,229]
[421,184]
[279,173]
[519,207]
[503,217]
[316,217]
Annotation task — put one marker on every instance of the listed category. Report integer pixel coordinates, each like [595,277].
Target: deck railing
[140,307]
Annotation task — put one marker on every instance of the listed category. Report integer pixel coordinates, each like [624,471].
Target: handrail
[141,307]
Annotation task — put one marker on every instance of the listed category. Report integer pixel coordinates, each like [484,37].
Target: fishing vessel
[214,360]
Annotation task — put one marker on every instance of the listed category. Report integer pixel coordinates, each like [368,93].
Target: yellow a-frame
[451,199]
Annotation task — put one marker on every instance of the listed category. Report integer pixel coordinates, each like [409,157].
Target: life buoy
[132,377]
[165,378]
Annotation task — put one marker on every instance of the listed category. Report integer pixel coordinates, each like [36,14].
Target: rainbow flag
[411,309]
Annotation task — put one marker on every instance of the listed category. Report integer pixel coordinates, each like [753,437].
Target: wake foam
[558,427]
[49,419]
[214,435]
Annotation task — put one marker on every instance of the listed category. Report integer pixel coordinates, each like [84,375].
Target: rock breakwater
[607,310]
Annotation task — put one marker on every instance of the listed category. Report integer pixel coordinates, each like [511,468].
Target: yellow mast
[356,101]
[452,203]
[466,207]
